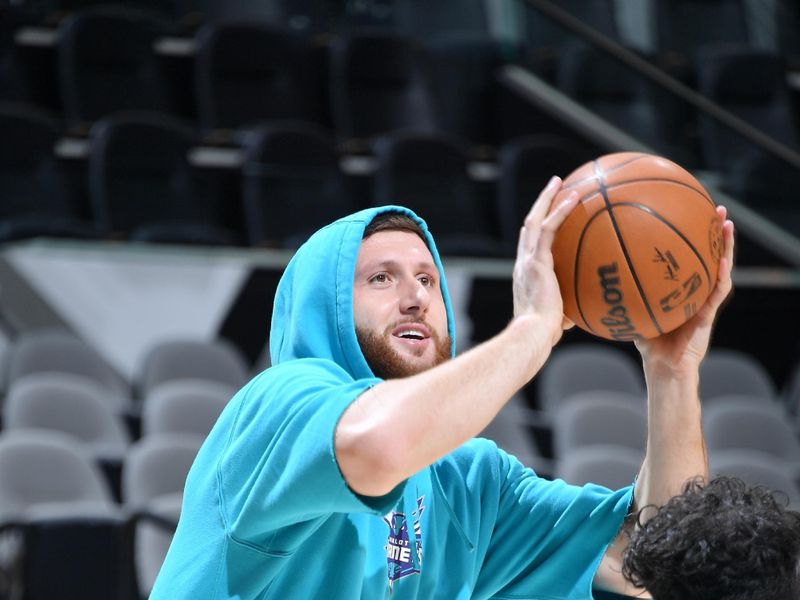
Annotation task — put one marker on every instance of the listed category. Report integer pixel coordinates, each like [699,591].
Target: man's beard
[387,363]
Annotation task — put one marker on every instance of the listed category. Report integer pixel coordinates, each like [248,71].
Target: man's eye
[380,278]
[426,281]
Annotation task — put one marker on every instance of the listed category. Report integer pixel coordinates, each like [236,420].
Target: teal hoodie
[267,514]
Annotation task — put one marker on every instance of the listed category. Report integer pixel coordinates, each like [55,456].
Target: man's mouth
[412,332]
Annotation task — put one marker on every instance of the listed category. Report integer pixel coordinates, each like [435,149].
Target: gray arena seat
[184,406]
[752,426]
[600,418]
[169,360]
[610,466]
[154,474]
[75,540]
[586,367]
[756,468]
[69,404]
[725,371]
[58,350]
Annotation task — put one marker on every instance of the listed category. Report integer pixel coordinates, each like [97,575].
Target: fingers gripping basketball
[639,254]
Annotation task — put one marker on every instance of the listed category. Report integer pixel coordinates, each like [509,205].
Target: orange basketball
[638,256]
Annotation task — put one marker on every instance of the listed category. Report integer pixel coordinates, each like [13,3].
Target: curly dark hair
[720,541]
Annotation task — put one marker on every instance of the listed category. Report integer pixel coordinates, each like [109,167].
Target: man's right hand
[535,286]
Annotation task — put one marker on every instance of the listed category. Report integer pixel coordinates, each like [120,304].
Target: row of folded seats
[95,465]
[143,184]
[592,400]
[144,178]
[92,467]
[367,84]
[232,74]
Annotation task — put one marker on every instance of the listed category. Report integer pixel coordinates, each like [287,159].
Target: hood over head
[313,312]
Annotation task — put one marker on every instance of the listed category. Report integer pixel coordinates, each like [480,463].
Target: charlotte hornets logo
[404,552]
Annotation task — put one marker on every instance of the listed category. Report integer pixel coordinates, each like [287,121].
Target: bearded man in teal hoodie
[349,469]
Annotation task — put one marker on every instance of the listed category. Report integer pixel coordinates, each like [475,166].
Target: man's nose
[414,297]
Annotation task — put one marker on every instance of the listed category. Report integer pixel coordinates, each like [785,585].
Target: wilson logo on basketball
[616,320]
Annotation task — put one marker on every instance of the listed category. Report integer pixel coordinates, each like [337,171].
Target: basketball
[638,255]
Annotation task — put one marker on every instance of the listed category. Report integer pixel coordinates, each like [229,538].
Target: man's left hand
[681,350]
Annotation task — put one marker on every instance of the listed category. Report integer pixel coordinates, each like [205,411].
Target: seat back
[428,174]
[29,176]
[751,426]
[184,406]
[75,539]
[139,172]
[600,418]
[106,63]
[67,403]
[57,350]
[751,85]
[291,184]
[726,371]
[526,165]
[380,83]
[611,466]
[153,477]
[217,361]
[586,367]
[756,468]
[249,72]
[682,26]
[39,468]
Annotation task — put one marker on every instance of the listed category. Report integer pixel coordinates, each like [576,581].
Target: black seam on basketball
[662,180]
[604,193]
[610,170]
[673,228]
[577,264]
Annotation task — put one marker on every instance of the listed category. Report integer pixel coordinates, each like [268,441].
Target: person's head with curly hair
[720,541]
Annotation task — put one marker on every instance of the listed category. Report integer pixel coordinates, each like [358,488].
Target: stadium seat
[246,73]
[547,41]
[106,63]
[613,92]
[57,350]
[153,478]
[302,16]
[464,78]
[510,431]
[586,367]
[682,28]
[380,83]
[600,418]
[75,541]
[33,201]
[217,361]
[72,405]
[726,371]
[141,183]
[428,173]
[756,468]
[526,165]
[752,426]
[291,184]
[184,406]
[426,20]
[611,466]
[752,85]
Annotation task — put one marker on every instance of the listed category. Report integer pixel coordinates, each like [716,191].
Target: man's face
[399,312]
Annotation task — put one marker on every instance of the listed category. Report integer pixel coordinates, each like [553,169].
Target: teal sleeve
[549,537]
[278,478]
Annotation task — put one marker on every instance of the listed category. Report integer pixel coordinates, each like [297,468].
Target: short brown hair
[393,221]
